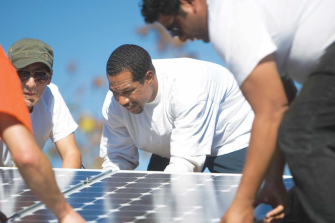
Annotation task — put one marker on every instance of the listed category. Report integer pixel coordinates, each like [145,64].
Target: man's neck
[155,90]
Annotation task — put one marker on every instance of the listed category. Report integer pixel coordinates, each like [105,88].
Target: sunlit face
[33,90]
[191,20]
[132,95]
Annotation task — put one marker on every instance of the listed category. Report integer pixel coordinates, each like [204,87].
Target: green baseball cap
[28,51]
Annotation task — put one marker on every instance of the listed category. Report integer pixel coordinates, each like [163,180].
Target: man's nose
[123,100]
[30,83]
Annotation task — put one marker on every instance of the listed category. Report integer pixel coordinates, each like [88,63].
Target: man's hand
[274,194]
[239,212]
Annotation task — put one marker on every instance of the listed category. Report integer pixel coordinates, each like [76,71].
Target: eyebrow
[129,89]
[123,90]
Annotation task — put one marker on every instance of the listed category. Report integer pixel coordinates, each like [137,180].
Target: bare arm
[265,93]
[274,192]
[69,152]
[278,162]
[35,168]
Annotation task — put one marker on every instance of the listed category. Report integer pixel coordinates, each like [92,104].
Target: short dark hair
[152,8]
[130,58]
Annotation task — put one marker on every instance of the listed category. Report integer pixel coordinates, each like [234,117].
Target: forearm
[72,160]
[277,165]
[35,169]
[276,169]
[261,151]
[44,186]
[69,152]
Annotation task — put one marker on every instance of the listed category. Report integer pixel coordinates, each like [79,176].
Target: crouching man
[189,113]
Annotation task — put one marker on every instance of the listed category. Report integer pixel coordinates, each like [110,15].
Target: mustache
[128,105]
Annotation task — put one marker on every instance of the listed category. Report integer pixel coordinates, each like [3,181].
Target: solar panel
[128,196]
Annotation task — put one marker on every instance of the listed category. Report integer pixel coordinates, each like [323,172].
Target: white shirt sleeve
[239,35]
[192,136]
[116,148]
[63,123]
[186,164]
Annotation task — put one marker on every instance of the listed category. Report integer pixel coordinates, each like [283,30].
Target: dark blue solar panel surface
[129,196]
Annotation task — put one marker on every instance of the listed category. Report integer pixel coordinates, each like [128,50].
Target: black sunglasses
[40,77]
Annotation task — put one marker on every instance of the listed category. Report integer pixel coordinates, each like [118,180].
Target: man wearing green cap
[50,117]
[15,130]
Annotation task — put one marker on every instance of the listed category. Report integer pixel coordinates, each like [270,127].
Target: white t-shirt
[243,32]
[50,118]
[198,111]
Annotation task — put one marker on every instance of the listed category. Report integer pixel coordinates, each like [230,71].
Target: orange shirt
[11,96]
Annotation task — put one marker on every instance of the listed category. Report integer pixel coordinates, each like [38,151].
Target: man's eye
[114,93]
[128,92]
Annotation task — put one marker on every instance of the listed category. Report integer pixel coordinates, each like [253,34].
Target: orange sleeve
[11,96]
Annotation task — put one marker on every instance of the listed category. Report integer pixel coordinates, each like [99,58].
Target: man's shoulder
[51,91]
[184,63]
[188,74]
[51,96]
[179,60]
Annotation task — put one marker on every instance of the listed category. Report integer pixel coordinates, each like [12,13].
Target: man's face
[33,87]
[191,20]
[131,95]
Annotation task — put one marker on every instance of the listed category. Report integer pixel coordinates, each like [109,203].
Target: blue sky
[83,33]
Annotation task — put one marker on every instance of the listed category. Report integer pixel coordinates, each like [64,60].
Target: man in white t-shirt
[258,41]
[190,114]
[34,167]
[50,117]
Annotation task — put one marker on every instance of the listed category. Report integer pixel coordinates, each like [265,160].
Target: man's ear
[150,77]
[51,73]
[188,3]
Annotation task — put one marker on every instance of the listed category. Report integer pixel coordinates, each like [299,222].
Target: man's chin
[205,40]
[139,111]
[30,104]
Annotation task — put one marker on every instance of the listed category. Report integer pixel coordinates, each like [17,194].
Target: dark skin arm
[274,192]
[35,168]
[265,93]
